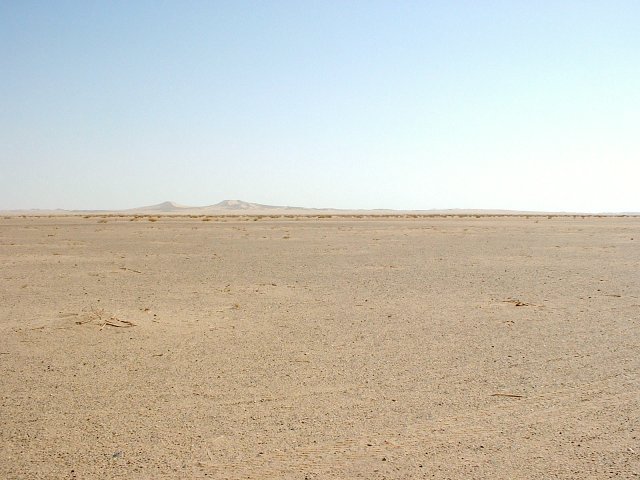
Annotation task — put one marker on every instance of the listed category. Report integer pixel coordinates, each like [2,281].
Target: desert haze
[145,346]
[241,207]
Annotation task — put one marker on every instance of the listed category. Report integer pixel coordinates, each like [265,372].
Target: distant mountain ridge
[242,205]
[231,207]
[162,207]
[225,205]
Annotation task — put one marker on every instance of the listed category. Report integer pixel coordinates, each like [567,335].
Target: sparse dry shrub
[152,219]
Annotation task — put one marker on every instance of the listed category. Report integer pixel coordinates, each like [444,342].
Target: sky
[349,104]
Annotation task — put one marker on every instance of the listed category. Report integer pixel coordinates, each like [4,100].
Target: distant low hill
[164,207]
[240,207]
[226,206]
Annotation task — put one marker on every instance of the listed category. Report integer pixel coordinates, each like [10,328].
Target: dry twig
[130,270]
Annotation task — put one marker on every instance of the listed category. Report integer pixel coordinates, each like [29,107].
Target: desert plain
[294,347]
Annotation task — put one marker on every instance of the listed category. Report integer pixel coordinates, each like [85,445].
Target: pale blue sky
[407,105]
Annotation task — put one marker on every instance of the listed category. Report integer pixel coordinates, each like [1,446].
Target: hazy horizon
[167,207]
[363,105]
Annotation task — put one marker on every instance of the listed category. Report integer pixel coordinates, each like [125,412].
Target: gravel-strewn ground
[503,348]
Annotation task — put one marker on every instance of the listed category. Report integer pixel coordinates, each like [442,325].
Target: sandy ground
[324,348]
